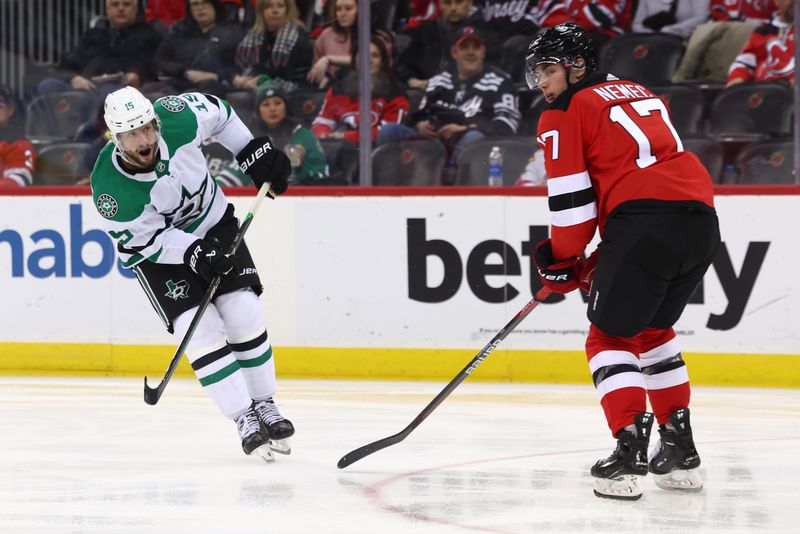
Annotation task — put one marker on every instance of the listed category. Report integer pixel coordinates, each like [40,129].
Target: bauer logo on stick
[107,206]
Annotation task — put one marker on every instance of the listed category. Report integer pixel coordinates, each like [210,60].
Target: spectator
[676,17]
[713,46]
[420,11]
[769,53]
[757,11]
[17,155]
[334,45]
[427,53]
[198,52]
[603,19]
[164,12]
[462,104]
[297,141]
[510,17]
[107,57]
[276,46]
[338,118]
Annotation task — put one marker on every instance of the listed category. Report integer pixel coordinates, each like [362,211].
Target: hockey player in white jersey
[172,224]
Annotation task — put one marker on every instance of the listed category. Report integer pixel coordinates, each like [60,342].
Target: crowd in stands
[447,71]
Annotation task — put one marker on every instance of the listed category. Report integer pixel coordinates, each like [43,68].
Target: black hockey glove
[262,162]
[207,260]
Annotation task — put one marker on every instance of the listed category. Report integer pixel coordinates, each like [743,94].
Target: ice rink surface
[87,455]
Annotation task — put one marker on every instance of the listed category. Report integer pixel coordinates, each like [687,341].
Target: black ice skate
[674,460]
[278,429]
[254,440]
[617,477]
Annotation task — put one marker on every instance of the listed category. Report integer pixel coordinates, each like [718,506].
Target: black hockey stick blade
[361,452]
[151,395]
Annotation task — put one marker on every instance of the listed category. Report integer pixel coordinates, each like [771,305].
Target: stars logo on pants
[177,290]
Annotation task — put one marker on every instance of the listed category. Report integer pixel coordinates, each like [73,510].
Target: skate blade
[281,446]
[625,488]
[264,452]
[687,480]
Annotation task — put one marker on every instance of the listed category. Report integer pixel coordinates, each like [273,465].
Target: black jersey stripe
[573,199]
[211,357]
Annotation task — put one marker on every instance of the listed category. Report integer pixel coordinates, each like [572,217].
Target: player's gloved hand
[207,260]
[561,276]
[262,162]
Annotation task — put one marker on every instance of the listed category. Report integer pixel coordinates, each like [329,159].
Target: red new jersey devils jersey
[607,141]
[767,56]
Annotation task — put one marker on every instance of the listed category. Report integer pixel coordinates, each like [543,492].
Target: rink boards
[384,285]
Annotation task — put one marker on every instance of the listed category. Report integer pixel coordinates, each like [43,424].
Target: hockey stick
[151,395]
[359,453]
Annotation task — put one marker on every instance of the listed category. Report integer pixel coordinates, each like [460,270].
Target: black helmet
[562,43]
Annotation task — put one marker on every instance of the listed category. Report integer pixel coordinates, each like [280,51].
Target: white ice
[87,455]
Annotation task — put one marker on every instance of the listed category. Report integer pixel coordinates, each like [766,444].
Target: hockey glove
[206,259]
[565,275]
[262,162]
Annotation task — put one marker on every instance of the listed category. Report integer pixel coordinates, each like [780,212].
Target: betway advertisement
[390,272]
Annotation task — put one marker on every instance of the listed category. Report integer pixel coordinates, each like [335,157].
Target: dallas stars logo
[107,205]
[177,290]
[172,103]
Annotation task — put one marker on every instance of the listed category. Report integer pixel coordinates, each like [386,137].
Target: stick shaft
[366,450]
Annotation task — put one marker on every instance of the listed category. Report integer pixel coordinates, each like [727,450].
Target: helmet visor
[533,77]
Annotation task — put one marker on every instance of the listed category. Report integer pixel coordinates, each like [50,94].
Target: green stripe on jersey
[255,362]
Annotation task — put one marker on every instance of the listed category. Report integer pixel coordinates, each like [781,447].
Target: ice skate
[674,460]
[617,477]
[277,428]
[254,441]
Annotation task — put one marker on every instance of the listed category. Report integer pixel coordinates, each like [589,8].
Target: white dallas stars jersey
[156,215]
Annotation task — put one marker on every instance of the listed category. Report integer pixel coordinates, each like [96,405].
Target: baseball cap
[469,32]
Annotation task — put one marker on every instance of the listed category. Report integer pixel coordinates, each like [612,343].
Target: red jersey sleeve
[17,160]
[326,120]
[573,207]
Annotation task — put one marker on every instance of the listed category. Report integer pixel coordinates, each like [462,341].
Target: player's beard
[144,158]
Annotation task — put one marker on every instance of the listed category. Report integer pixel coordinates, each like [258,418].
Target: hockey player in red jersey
[615,164]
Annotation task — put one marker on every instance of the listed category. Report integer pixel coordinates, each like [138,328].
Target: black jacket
[106,51]
[186,47]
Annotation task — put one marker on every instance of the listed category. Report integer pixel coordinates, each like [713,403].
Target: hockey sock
[664,372]
[243,315]
[615,371]
[213,362]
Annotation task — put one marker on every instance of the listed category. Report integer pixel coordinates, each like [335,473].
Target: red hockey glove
[586,271]
[565,275]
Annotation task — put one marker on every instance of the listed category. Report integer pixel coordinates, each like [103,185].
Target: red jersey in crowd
[17,159]
[607,141]
[611,17]
[768,54]
[753,10]
[340,112]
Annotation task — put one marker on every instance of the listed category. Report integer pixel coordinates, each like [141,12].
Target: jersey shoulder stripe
[117,197]
[178,121]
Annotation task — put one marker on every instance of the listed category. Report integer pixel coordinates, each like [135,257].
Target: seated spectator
[125,47]
[197,53]
[462,104]
[428,52]
[714,45]
[334,45]
[675,17]
[758,11]
[339,118]
[509,17]
[277,46]
[419,12]
[534,174]
[297,141]
[17,155]
[769,53]
[603,19]
[164,13]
